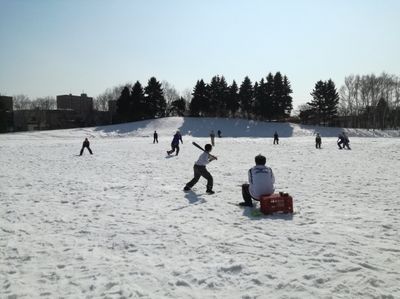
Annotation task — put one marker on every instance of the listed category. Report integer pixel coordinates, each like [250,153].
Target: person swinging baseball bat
[200,169]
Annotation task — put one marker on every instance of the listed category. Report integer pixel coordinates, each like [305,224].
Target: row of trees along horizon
[267,99]
[366,101]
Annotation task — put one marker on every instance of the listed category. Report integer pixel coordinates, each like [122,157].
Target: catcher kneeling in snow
[261,182]
[200,170]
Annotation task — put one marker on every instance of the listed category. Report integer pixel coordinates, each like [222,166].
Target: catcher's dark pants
[246,194]
[198,172]
[83,147]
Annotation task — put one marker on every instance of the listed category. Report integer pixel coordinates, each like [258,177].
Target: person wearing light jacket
[200,170]
[261,182]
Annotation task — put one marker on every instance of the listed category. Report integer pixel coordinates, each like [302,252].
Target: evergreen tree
[318,102]
[263,98]
[269,97]
[215,97]
[331,102]
[218,91]
[178,107]
[138,107]
[223,96]
[246,93]
[278,97]
[324,103]
[123,105]
[232,102]
[287,98]
[257,98]
[155,100]
[200,101]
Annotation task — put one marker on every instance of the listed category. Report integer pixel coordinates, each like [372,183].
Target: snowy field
[118,225]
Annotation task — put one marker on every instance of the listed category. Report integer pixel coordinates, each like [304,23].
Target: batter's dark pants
[198,172]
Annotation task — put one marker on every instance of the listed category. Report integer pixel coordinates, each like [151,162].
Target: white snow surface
[118,225]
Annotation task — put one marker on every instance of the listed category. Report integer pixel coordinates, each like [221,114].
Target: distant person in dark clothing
[212,136]
[175,143]
[343,141]
[200,170]
[318,141]
[276,138]
[219,134]
[340,141]
[86,144]
[346,141]
[155,137]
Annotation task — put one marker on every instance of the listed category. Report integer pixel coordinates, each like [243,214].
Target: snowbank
[201,127]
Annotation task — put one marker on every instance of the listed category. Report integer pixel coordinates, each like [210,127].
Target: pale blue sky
[51,47]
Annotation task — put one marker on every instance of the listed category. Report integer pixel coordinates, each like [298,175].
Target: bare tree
[170,94]
[101,101]
[349,104]
[187,95]
[21,102]
[370,101]
[110,94]
[46,103]
[169,91]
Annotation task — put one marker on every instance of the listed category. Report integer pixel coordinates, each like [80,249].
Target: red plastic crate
[277,202]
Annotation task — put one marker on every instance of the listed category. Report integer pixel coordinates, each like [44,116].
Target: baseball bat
[199,147]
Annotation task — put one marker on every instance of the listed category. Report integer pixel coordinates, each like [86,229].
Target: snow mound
[201,127]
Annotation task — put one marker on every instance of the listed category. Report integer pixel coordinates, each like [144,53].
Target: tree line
[371,101]
[367,101]
[23,102]
[268,99]
[364,101]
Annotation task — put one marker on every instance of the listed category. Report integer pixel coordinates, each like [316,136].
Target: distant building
[72,112]
[82,108]
[6,103]
[37,119]
[82,105]
[6,114]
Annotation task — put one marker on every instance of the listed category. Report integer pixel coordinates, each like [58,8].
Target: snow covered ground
[118,225]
